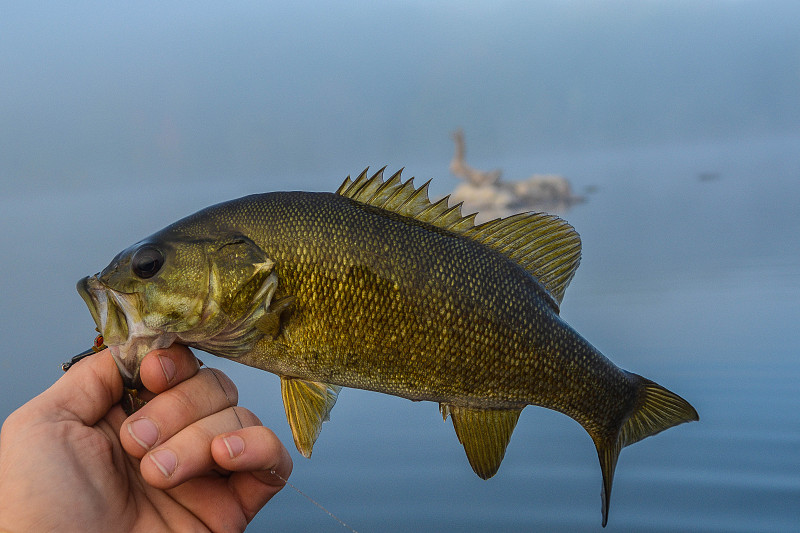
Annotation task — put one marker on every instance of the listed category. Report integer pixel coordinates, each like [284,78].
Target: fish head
[208,291]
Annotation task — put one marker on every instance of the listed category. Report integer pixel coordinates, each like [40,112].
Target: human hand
[70,460]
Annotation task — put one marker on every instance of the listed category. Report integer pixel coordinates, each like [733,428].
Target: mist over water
[149,91]
[682,117]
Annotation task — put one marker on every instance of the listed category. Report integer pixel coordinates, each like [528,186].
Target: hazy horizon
[149,91]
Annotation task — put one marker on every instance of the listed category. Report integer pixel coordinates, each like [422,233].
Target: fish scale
[371,291]
[375,287]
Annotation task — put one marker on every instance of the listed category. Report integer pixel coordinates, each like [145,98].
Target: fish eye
[147,261]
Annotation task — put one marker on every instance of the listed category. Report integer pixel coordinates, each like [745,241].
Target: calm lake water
[690,276]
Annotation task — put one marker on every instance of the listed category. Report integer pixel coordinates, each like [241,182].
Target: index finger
[163,369]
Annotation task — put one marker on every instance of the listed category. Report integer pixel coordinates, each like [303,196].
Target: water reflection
[693,283]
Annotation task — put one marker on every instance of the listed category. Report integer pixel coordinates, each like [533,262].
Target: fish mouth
[118,319]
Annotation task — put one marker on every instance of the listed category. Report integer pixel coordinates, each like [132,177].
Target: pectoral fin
[308,404]
[484,433]
[270,323]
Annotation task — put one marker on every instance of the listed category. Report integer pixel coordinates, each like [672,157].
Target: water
[694,283]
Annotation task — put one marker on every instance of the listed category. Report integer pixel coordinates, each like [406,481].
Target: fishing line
[273,472]
[230,403]
[312,500]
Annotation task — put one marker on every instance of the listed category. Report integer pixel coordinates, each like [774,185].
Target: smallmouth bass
[375,287]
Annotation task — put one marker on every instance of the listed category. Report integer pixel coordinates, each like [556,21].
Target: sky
[92,92]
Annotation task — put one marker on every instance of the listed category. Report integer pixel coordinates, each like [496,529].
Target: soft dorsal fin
[307,404]
[545,245]
[484,435]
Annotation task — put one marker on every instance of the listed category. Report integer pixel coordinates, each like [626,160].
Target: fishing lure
[130,402]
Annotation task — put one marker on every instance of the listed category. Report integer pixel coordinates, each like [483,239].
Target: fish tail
[655,410]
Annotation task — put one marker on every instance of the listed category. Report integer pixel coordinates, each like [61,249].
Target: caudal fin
[656,409]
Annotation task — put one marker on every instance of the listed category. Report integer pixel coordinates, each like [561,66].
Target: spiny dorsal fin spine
[358,183]
[410,207]
[430,212]
[389,184]
[437,212]
[344,186]
[370,187]
[348,186]
[364,178]
[543,244]
[452,216]
[461,226]
[400,196]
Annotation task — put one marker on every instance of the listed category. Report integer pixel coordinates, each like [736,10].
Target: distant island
[485,192]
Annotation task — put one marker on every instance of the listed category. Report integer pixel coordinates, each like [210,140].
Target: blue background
[117,119]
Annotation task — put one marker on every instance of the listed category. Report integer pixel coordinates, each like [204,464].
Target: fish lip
[127,354]
[89,285]
[87,293]
[100,298]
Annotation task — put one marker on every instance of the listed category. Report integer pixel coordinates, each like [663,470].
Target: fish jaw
[128,356]
[123,329]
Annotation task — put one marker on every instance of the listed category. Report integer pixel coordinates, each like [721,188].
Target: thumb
[88,389]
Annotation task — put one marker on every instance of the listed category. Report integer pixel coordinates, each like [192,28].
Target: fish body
[377,288]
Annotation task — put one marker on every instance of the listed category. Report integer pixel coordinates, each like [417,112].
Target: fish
[377,287]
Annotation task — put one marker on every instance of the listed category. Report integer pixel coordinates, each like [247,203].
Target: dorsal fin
[545,245]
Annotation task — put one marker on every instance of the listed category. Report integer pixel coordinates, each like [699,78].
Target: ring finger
[187,454]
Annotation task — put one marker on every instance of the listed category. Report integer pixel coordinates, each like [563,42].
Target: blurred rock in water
[486,193]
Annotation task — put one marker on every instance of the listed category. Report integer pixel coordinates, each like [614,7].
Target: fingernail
[144,432]
[168,367]
[165,461]
[235,445]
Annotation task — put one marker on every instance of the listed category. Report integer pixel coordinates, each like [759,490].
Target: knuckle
[227,386]
[245,416]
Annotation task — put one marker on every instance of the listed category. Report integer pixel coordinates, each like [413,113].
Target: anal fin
[484,433]
[307,404]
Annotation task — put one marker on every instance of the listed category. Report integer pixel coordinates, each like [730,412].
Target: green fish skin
[375,287]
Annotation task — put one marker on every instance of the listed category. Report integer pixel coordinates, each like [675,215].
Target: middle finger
[206,393]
